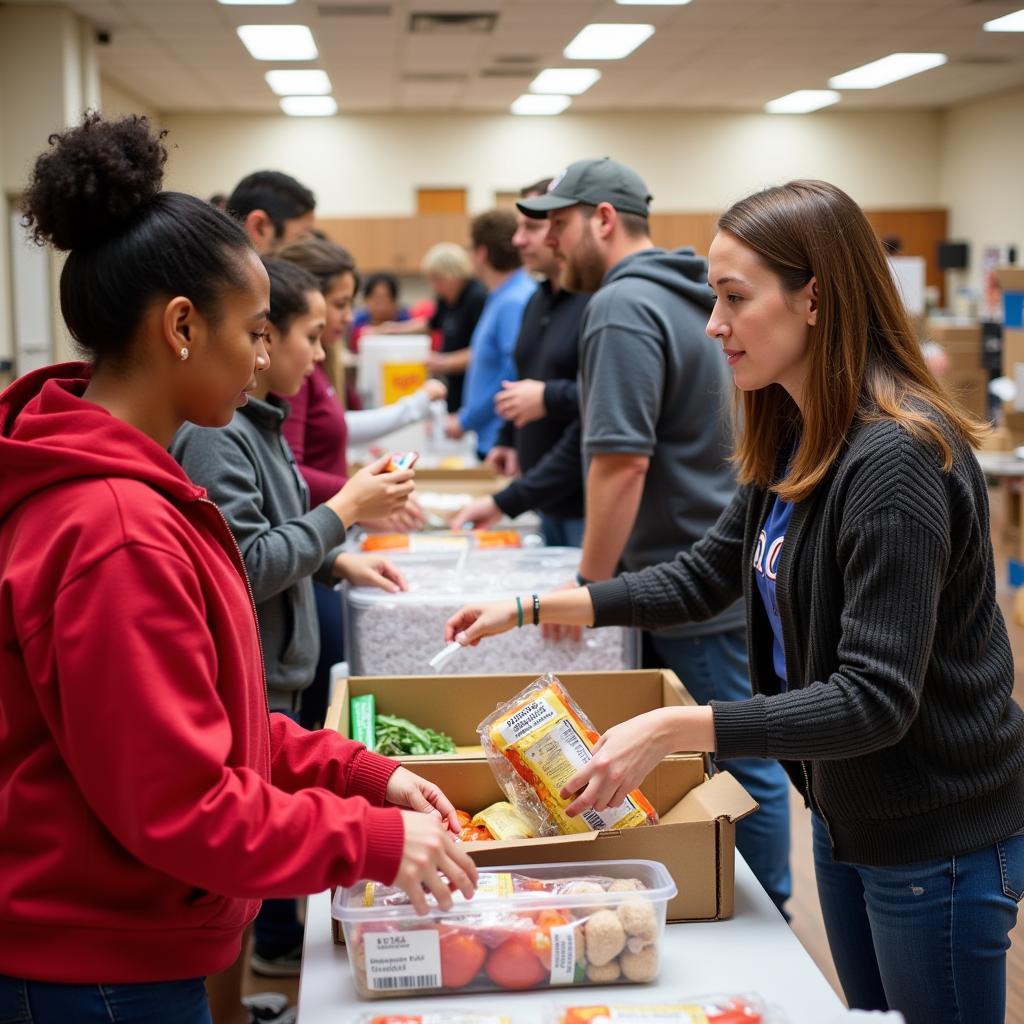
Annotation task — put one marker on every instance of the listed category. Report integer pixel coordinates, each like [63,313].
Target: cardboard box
[970,389]
[961,340]
[1011,280]
[696,834]
[1013,349]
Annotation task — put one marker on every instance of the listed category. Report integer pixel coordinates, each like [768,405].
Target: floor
[806,914]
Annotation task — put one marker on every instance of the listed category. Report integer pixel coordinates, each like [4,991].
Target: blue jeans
[313,709]
[714,667]
[160,1002]
[559,532]
[927,939]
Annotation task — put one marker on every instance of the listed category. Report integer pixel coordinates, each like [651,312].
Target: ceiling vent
[518,58]
[519,74]
[473,23]
[981,61]
[433,77]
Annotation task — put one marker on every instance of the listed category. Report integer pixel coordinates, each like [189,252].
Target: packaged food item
[745,1009]
[362,712]
[451,541]
[503,821]
[436,1017]
[402,460]
[535,744]
[536,927]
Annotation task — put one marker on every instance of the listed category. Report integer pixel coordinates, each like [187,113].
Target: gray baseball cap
[591,181]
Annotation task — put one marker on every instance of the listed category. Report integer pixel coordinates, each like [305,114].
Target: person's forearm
[615,485]
[454,362]
[562,608]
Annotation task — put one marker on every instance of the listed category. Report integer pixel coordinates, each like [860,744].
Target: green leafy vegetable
[398,737]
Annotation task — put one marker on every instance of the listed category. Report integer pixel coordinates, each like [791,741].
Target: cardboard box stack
[696,833]
[1011,280]
[967,379]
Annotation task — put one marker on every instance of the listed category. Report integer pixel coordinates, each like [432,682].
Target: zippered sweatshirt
[147,799]
[898,723]
[248,469]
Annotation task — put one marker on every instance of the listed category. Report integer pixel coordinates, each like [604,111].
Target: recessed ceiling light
[1007,23]
[887,69]
[532,105]
[607,42]
[278,42]
[299,83]
[803,101]
[567,81]
[309,106]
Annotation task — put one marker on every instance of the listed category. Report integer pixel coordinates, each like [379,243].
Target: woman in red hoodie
[147,799]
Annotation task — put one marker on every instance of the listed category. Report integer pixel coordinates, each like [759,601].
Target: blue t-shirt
[766,568]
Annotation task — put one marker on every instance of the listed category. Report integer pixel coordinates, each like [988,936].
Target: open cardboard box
[695,837]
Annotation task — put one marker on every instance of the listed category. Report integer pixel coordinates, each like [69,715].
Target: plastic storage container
[551,925]
[397,634]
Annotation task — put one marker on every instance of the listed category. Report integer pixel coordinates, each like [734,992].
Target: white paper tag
[400,960]
[563,954]
[654,1014]
[453,1017]
[526,719]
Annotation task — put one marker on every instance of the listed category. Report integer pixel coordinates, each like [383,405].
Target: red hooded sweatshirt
[147,799]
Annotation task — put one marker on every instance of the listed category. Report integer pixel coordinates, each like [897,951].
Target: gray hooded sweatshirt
[652,383]
[249,471]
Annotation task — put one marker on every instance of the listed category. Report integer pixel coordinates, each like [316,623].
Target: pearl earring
[183,353]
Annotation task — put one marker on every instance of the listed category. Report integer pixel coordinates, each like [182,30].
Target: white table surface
[754,951]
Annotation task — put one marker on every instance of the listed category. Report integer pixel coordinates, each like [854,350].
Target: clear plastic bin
[550,925]
[397,634]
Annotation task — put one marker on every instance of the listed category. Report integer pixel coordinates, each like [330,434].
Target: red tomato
[462,956]
[515,965]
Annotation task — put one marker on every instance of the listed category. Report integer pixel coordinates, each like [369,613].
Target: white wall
[117,101]
[982,182]
[371,165]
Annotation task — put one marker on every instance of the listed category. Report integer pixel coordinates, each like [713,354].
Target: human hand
[436,363]
[434,390]
[504,459]
[521,401]
[372,493]
[482,513]
[370,571]
[407,789]
[452,427]
[555,632]
[471,623]
[432,861]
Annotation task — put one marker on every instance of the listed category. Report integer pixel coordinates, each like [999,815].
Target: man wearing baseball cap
[653,393]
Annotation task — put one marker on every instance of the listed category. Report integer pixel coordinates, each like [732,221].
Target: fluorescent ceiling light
[1007,23]
[299,83]
[566,81]
[278,42]
[803,101]
[887,69]
[532,105]
[309,106]
[607,42]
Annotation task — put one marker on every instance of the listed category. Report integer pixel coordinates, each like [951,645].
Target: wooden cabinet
[397,244]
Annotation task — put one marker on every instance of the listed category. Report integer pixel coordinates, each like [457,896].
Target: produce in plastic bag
[554,925]
[745,1009]
[535,744]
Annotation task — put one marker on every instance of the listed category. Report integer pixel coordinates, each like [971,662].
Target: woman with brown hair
[881,666]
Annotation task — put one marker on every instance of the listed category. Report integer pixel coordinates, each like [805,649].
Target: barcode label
[402,960]
[594,820]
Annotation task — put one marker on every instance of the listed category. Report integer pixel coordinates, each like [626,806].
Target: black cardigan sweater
[898,724]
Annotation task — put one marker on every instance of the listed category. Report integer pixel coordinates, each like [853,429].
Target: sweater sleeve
[696,585]
[322,484]
[155,766]
[561,399]
[894,558]
[558,474]
[367,425]
[276,557]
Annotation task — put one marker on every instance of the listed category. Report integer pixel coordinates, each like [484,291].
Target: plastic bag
[719,1009]
[535,744]
[435,1017]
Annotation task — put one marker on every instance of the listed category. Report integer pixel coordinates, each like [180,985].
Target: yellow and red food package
[708,1010]
[535,744]
[441,541]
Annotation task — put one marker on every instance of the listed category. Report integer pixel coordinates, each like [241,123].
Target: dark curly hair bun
[93,181]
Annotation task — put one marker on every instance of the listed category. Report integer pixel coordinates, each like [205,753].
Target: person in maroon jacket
[148,801]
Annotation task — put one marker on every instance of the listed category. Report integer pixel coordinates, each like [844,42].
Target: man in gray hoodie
[653,400]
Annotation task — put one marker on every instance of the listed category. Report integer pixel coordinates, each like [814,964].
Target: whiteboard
[31,300]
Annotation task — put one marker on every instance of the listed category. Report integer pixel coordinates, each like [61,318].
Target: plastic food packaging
[436,1017]
[503,821]
[535,744]
[397,634]
[455,540]
[401,460]
[595,923]
[718,1009]
[362,718]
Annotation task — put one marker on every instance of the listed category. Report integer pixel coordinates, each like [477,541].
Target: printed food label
[563,954]
[688,1014]
[401,960]
[495,884]
[558,756]
[524,721]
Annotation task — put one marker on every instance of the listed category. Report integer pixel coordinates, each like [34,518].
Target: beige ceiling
[183,55]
